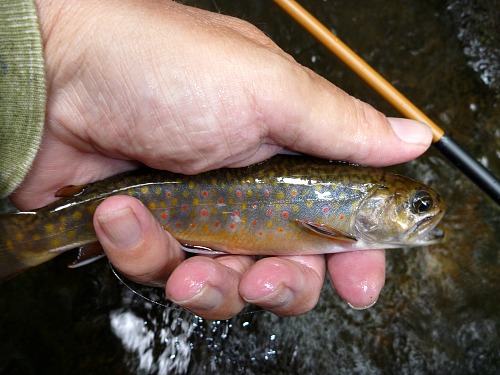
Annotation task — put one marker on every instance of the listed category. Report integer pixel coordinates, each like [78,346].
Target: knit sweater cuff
[22,91]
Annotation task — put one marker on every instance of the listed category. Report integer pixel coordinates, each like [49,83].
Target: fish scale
[288,205]
[242,210]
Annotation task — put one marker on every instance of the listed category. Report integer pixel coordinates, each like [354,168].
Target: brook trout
[286,205]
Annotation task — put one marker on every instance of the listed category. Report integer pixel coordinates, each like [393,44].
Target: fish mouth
[427,232]
[433,235]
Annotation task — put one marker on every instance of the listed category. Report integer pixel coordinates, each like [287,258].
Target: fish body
[286,205]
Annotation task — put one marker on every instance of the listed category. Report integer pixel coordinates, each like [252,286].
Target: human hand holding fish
[184,90]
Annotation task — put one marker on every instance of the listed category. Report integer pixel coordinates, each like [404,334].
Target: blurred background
[439,311]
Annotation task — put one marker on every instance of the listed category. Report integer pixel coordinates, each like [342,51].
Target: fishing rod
[450,149]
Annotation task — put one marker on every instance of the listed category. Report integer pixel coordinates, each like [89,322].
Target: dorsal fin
[70,190]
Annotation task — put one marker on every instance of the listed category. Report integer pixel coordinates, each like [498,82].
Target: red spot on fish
[168,194]
[266,193]
[285,215]
[231,225]
[254,205]
[204,212]
[239,193]
[220,201]
[236,213]
[254,223]
[216,224]
[269,212]
[178,224]
[193,225]
[325,210]
[163,215]
[184,207]
[204,193]
[341,217]
[260,233]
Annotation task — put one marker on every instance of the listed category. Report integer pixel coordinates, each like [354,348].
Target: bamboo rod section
[443,142]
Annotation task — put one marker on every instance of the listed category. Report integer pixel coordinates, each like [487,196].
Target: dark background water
[440,310]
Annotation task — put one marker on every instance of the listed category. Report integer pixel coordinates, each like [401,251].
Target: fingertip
[134,241]
[118,225]
[206,287]
[411,131]
[190,284]
[284,285]
[358,276]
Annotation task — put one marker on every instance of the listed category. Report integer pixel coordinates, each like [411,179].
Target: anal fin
[87,254]
[196,249]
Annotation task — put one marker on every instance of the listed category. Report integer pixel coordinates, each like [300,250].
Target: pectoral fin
[327,231]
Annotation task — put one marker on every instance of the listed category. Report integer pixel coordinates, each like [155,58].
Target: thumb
[134,241]
[321,119]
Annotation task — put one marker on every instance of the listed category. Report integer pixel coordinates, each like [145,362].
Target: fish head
[405,214]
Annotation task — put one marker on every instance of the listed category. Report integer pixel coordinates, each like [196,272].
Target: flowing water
[439,311]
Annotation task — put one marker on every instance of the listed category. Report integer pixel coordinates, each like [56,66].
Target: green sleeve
[22,91]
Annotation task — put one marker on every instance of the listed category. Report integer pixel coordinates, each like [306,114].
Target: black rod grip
[474,170]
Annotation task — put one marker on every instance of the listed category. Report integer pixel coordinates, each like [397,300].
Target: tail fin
[19,250]
[28,239]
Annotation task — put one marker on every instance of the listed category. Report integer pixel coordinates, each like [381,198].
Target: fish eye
[421,202]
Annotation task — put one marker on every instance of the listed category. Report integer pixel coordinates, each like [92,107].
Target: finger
[285,285]
[209,287]
[358,276]
[134,241]
[311,115]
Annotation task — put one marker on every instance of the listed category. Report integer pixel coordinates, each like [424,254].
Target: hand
[182,89]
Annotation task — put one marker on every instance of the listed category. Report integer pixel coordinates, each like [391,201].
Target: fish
[287,205]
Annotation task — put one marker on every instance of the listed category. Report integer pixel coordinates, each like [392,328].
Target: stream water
[439,311]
